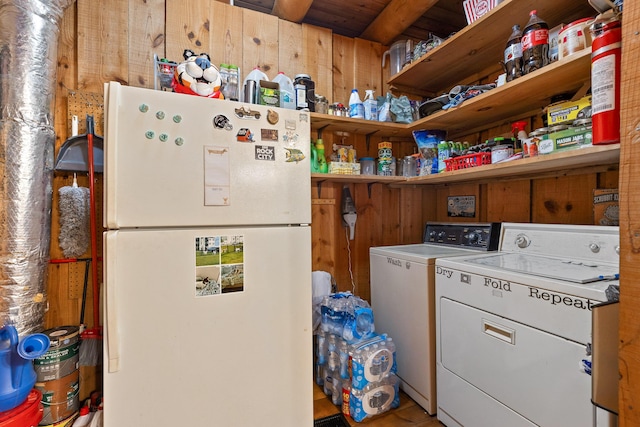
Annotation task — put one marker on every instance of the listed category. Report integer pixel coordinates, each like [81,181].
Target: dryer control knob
[595,248]
[522,241]
[473,237]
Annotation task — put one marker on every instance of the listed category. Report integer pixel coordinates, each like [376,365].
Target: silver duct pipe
[28,58]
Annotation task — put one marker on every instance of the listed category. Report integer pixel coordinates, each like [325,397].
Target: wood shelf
[557,162]
[355,179]
[481,44]
[528,93]
[327,123]
[523,95]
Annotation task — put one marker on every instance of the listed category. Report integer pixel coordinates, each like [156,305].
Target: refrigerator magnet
[272,117]
[290,124]
[269,134]
[222,122]
[244,135]
[294,155]
[265,152]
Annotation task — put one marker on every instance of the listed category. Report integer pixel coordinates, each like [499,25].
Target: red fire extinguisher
[606,53]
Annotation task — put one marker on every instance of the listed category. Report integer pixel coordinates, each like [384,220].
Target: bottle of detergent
[323,167]
[84,419]
[251,86]
[356,108]
[287,92]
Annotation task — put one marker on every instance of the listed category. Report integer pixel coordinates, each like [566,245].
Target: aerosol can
[349,213]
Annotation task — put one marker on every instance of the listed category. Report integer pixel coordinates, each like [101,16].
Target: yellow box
[344,168]
[605,206]
[568,111]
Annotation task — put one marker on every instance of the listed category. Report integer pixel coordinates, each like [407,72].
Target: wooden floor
[409,413]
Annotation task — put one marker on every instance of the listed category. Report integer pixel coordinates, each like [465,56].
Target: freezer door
[181,160]
[208,327]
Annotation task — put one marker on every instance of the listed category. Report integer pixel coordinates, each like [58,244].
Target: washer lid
[571,270]
[420,252]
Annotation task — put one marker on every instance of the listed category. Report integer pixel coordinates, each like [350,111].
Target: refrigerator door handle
[111,318]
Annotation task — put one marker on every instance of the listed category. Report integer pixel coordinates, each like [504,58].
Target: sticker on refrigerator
[219,265]
[216,176]
[265,152]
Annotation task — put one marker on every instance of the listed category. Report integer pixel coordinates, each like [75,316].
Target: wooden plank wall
[103,40]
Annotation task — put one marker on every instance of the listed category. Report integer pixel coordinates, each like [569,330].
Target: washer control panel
[481,236]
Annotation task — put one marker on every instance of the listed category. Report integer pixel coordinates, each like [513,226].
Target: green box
[574,137]
[269,94]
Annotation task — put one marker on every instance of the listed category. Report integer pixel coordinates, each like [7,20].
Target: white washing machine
[402,297]
[514,327]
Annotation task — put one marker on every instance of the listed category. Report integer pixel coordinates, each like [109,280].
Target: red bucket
[27,414]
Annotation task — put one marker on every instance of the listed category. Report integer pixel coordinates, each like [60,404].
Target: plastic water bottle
[370,105]
[287,92]
[234,79]
[356,108]
[251,91]
[224,79]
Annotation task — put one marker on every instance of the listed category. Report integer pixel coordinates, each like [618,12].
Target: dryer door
[532,372]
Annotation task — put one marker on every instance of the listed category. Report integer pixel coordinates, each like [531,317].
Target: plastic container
[251,91]
[17,376]
[397,56]
[356,107]
[370,106]
[367,166]
[287,92]
[84,419]
[535,44]
[468,161]
[513,54]
[27,414]
[574,37]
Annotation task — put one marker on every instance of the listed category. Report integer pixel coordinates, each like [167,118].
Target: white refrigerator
[207,262]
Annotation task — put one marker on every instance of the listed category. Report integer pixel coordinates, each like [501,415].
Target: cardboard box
[574,137]
[568,111]
[269,93]
[605,206]
[344,168]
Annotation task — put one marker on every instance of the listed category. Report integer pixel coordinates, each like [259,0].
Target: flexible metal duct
[28,58]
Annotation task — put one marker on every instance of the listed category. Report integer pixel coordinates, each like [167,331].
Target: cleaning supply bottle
[84,419]
[322,160]
[370,106]
[287,93]
[315,168]
[444,153]
[517,129]
[356,108]
[513,54]
[251,86]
